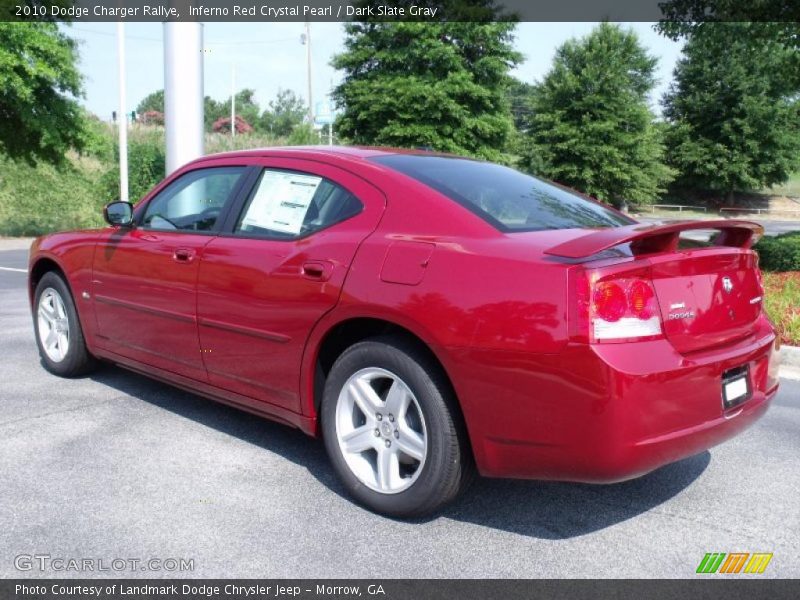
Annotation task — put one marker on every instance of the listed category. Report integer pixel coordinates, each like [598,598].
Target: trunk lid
[707,297]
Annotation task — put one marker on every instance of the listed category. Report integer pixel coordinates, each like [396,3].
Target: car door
[144,277]
[278,267]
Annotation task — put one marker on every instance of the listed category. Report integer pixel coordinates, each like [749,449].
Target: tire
[405,465]
[55,319]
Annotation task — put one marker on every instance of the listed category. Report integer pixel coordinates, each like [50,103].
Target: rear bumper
[605,413]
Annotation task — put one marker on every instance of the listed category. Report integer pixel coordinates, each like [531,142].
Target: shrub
[303,135]
[222,142]
[780,252]
[98,139]
[43,198]
[146,165]
[223,125]
[152,117]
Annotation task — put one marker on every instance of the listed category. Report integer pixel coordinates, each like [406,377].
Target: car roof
[345,152]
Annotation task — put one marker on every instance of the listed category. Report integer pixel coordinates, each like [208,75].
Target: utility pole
[233,103]
[183,92]
[308,61]
[122,123]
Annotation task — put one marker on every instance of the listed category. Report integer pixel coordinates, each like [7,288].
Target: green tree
[780,20]
[151,102]
[40,118]
[520,95]
[591,127]
[283,114]
[438,85]
[734,115]
[214,110]
[246,107]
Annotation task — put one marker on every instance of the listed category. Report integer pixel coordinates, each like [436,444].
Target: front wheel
[58,331]
[391,428]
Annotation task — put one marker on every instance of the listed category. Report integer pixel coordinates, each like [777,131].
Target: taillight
[614,309]
[609,301]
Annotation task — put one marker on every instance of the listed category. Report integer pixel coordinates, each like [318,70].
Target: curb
[15,243]
[790,362]
[790,356]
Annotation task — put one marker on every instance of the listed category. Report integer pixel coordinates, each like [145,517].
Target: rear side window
[507,199]
[289,205]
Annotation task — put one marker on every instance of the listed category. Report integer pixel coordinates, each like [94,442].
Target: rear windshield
[508,199]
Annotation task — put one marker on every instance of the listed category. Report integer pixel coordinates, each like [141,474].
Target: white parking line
[13,269]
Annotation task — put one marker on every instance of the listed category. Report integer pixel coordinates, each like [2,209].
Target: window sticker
[281,201]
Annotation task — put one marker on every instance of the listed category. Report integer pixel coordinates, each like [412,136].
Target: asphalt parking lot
[118,466]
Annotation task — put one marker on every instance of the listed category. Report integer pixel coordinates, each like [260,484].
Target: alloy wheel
[53,325]
[381,430]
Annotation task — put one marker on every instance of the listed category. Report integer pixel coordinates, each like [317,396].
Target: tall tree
[284,113]
[246,107]
[591,127]
[734,114]
[780,19]
[213,111]
[153,102]
[40,118]
[519,96]
[440,85]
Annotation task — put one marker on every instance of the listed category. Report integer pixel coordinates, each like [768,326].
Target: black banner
[392,10]
[390,589]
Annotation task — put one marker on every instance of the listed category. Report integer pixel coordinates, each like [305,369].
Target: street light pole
[308,61]
[183,92]
[122,119]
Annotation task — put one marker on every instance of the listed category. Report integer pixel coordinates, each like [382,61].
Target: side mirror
[118,213]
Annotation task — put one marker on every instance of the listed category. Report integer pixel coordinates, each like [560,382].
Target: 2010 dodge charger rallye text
[425,314]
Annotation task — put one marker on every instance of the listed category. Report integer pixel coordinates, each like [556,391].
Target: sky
[269,56]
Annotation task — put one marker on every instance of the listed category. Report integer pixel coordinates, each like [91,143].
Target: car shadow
[548,510]
[557,510]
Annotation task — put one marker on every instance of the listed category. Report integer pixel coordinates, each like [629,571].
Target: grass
[42,198]
[791,188]
[782,298]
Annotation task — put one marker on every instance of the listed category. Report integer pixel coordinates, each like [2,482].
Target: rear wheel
[58,331]
[391,428]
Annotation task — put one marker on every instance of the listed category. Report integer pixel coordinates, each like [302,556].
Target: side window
[192,202]
[288,205]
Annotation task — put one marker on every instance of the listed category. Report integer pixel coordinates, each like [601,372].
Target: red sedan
[425,314]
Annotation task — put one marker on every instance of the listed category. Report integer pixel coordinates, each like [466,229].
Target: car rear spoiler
[648,239]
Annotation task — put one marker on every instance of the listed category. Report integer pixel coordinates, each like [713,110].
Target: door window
[290,205]
[194,201]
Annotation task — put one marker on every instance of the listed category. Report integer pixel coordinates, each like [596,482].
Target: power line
[108,33]
[253,42]
[222,43]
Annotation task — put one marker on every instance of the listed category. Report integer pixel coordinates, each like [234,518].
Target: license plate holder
[735,387]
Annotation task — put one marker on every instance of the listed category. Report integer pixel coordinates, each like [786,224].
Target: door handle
[318,270]
[183,255]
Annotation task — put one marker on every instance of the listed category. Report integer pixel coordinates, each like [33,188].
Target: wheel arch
[341,334]
[38,269]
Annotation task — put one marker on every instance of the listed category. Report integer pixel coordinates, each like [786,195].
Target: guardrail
[680,207]
[758,210]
